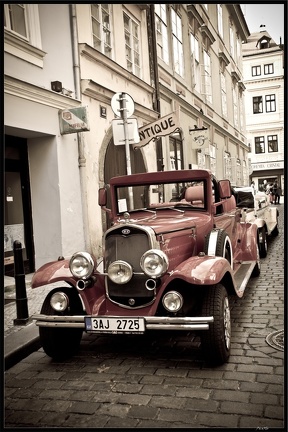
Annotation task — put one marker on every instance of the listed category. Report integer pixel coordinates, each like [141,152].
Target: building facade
[179,60]
[42,190]
[263,68]
[200,77]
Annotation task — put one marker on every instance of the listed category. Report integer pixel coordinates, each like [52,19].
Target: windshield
[156,196]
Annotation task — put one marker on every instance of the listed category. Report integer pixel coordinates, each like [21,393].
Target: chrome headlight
[154,263]
[172,301]
[120,272]
[81,265]
[59,301]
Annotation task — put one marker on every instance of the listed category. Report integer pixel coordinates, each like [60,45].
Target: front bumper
[151,322]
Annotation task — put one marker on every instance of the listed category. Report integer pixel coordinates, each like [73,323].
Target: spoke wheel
[216,341]
[218,243]
[262,242]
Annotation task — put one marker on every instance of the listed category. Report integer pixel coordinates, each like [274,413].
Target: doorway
[17,205]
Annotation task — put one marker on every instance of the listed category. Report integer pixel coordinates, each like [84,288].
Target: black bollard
[21,295]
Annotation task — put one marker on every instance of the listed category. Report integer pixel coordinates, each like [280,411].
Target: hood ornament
[126,216]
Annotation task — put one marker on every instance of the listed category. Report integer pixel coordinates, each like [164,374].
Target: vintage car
[175,250]
[256,208]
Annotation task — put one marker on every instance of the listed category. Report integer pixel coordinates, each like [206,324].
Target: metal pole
[127,149]
[21,296]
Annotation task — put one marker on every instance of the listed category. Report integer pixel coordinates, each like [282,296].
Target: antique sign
[161,127]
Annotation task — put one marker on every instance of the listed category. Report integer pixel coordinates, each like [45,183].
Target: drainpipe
[80,137]
[151,30]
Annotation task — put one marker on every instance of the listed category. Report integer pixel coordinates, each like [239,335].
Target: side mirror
[224,189]
[102,197]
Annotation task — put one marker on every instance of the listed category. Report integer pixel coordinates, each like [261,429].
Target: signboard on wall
[267,165]
[73,120]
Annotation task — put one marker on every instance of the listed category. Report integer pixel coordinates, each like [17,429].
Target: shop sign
[200,138]
[73,120]
[267,165]
[161,127]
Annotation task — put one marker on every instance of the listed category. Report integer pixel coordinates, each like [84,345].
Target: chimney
[262,28]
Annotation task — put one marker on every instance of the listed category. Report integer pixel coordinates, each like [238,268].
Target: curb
[20,344]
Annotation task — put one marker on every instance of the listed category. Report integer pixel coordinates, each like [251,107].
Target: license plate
[114,325]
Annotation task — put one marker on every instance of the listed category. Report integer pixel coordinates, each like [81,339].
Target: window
[22,32]
[220,20]
[270,103]
[177,43]
[235,107]
[257,105]
[195,55]
[176,152]
[227,166]
[245,173]
[132,45]
[241,112]
[223,95]
[207,77]
[15,19]
[238,172]
[238,48]
[272,143]
[101,30]
[161,32]
[232,50]
[259,145]
[256,70]
[264,43]
[268,69]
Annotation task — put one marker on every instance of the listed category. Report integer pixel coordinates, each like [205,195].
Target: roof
[252,46]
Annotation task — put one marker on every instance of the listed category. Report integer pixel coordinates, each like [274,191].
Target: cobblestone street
[161,380]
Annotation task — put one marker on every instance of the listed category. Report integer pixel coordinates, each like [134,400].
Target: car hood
[165,221]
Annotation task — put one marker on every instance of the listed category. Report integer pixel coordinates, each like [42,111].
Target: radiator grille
[128,247]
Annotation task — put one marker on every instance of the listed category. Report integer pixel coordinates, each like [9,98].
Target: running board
[242,276]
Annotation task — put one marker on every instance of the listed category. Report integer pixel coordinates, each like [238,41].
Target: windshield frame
[163,195]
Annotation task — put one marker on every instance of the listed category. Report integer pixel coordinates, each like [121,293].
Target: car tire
[257,269]
[275,231]
[61,343]
[218,243]
[216,342]
[262,242]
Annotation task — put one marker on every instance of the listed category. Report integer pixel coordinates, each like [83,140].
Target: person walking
[269,191]
[276,192]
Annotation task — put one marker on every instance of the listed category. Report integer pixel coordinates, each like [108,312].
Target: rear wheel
[262,242]
[61,343]
[257,269]
[275,231]
[216,341]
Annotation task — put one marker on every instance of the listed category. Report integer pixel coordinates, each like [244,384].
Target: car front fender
[202,270]
[52,272]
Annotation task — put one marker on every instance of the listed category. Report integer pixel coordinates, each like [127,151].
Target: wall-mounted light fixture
[56,86]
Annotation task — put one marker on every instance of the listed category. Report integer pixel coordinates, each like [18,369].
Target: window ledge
[22,49]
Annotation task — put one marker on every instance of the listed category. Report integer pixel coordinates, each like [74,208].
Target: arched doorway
[115,161]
